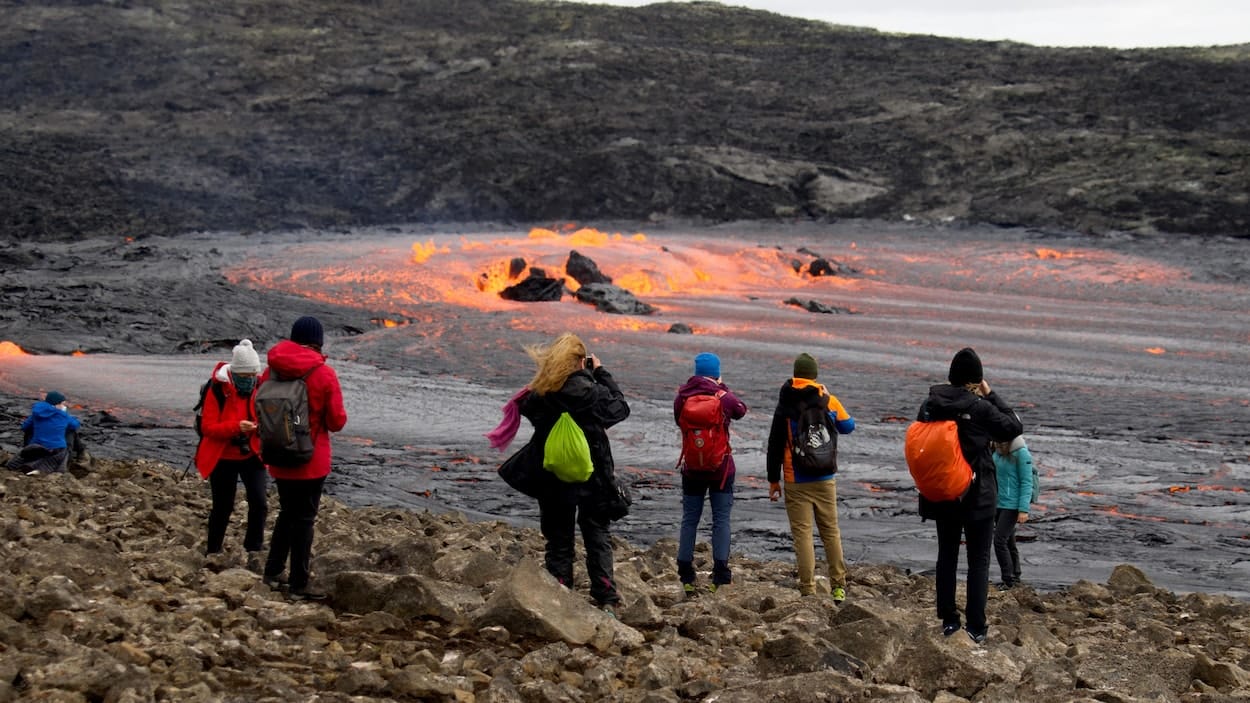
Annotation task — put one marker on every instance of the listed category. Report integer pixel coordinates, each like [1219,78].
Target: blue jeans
[722,500]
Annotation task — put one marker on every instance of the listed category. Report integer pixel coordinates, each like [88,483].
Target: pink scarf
[505,432]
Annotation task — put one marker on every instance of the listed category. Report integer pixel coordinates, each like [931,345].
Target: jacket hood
[802,388]
[700,384]
[798,390]
[577,393]
[291,360]
[947,401]
[43,410]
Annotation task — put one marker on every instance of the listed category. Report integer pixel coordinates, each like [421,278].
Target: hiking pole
[187,470]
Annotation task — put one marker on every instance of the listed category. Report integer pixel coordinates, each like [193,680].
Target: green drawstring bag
[567,453]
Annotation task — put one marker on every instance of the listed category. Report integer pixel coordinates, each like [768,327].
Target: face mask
[245,384]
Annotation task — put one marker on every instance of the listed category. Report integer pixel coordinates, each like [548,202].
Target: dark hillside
[144,117]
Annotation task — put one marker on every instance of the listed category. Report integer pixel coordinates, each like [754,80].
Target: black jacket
[980,421]
[595,403]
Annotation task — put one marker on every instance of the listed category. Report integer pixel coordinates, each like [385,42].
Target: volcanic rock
[611,298]
[536,288]
[680,328]
[817,306]
[584,270]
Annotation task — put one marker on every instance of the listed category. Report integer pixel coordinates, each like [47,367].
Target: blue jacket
[1015,477]
[48,423]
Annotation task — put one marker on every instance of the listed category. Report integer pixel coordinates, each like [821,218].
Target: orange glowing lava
[1113,510]
[422,252]
[11,349]
[1186,489]
[1044,253]
[1156,350]
[471,270]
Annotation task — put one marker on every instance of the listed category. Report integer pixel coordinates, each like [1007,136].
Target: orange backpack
[936,462]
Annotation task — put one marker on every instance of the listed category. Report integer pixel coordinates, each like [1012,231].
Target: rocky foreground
[106,596]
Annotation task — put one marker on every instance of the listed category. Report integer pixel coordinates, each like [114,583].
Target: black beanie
[965,368]
[307,331]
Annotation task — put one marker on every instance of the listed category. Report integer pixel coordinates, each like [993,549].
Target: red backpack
[704,437]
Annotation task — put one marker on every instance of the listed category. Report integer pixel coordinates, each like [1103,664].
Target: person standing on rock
[571,380]
[229,451]
[45,449]
[1013,466]
[811,491]
[299,487]
[981,417]
[711,476]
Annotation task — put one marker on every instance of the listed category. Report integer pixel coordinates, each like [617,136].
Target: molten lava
[10,349]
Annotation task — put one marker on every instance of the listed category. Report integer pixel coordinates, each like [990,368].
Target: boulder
[610,298]
[534,289]
[406,596]
[531,602]
[583,270]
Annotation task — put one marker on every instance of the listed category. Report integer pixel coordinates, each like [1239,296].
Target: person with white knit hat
[229,450]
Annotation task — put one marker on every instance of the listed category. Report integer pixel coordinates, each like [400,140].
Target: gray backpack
[282,421]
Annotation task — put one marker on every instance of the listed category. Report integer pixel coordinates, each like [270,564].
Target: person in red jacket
[299,487]
[228,450]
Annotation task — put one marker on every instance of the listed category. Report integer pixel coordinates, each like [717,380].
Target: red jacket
[219,423]
[325,403]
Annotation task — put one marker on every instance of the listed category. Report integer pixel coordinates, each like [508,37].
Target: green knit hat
[805,366]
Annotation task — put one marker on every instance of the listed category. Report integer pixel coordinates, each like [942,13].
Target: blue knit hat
[307,330]
[707,364]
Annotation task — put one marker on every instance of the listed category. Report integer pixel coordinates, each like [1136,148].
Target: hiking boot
[306,593]
[949,628]
[610,609]
[277,583]
[689,590]
[977,637]
[839,594]
[1006,585]
[713,588]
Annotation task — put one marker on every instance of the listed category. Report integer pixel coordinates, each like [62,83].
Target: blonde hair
[556,362]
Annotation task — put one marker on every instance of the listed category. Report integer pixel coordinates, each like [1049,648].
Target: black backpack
[218,393]
[814,442]
[282,411]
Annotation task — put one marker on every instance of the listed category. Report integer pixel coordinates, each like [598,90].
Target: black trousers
[224,481]
[557,521]
[980,538]
[1005,545]
[298,501]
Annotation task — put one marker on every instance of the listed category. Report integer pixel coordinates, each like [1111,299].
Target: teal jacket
[1015,477]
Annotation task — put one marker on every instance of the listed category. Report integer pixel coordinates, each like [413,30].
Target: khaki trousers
[818,500]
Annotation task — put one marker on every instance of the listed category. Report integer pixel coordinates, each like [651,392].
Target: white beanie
[245,359]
